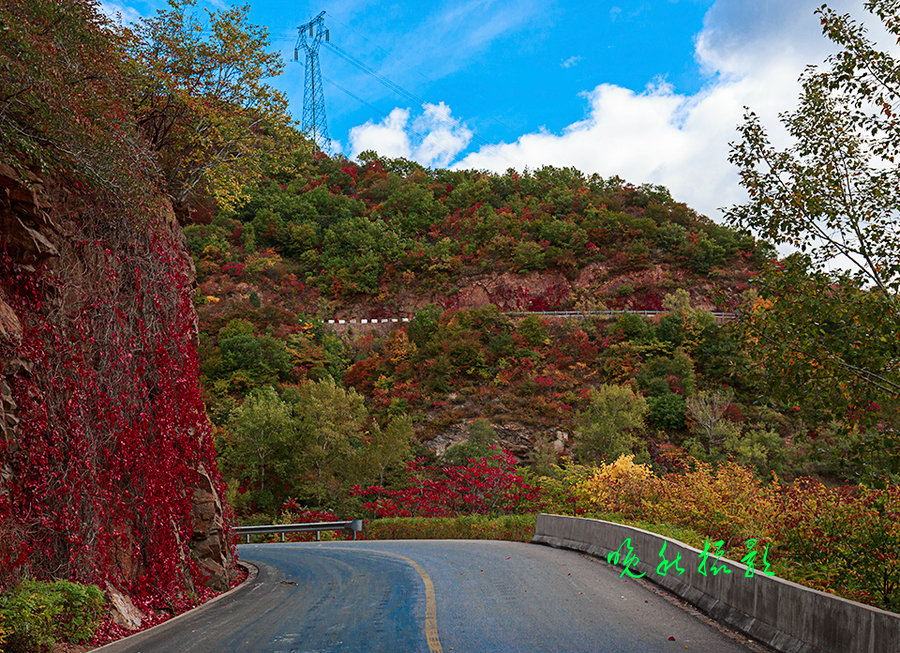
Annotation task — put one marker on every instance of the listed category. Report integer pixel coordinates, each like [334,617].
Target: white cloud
[570,62]
[433,139]
[443,136]
[388,137]
[753,54]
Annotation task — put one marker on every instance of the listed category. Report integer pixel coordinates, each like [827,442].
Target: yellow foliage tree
[203,104]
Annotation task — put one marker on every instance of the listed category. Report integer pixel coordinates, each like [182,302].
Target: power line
[393,86]
[313,95]
[396,88]
[353,95]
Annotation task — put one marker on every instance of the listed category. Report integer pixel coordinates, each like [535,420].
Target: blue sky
[504,68]
[650,90]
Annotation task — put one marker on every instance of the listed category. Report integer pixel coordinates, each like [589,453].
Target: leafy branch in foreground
[833,194]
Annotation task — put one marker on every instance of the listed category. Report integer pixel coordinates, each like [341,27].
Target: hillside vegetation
[327,237]
[317,420]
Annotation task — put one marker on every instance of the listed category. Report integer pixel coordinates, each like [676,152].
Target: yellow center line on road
[431,631]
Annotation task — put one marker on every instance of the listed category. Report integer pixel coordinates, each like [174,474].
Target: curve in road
[429,596]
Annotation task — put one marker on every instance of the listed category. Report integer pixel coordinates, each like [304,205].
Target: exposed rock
[517,438]
[23,221]
[10,326]
[560,442]
[591,273]
[208,539]
[122,610]
[507,289]
[453,434]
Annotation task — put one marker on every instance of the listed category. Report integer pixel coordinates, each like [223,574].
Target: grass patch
[517,528]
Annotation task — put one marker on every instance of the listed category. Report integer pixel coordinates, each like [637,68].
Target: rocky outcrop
[516,438]
[25,224]
[22,219]
[123,611]
[31,240]
[208,538]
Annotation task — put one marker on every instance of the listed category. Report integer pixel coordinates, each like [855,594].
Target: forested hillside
[461,253]
[482,405]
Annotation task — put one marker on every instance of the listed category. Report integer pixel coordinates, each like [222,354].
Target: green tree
[605,427]
[334,425]
[482,436]
[262,440]
[390,447]
[667,411]
[833,195]
[261,359]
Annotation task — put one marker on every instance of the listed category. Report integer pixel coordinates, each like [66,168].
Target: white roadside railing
[354,525]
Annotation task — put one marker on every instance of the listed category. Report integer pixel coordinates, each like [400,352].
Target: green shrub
[667,411]
[36,615]
[670,236]
[528,255]
[518,528]
[533,330]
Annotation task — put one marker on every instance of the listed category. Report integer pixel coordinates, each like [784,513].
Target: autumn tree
[203,102]
[605,427]
[64,102]
[826,319]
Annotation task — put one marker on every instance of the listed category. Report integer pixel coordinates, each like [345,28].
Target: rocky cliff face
[107,469]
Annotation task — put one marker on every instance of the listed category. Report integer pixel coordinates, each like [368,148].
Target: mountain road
[434,597]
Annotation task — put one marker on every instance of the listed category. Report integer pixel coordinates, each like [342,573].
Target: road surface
[433,596]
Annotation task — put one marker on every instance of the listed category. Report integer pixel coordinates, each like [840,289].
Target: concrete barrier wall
[784,615]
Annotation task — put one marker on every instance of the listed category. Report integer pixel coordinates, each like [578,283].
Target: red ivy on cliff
[111,425]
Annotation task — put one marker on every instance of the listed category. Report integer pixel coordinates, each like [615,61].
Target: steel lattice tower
[310,38]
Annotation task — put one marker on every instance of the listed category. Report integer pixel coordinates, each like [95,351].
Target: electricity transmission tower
[310,38]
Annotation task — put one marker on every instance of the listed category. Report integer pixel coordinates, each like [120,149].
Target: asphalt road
[430,596]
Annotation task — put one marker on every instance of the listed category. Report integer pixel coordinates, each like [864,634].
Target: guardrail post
[317,536]
[282,537]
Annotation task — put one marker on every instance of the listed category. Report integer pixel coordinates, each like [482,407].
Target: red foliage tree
[486,486]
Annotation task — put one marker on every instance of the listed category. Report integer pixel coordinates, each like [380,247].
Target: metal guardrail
[720,316]
[354,525]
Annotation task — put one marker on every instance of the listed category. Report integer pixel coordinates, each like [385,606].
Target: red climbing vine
[111,427]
